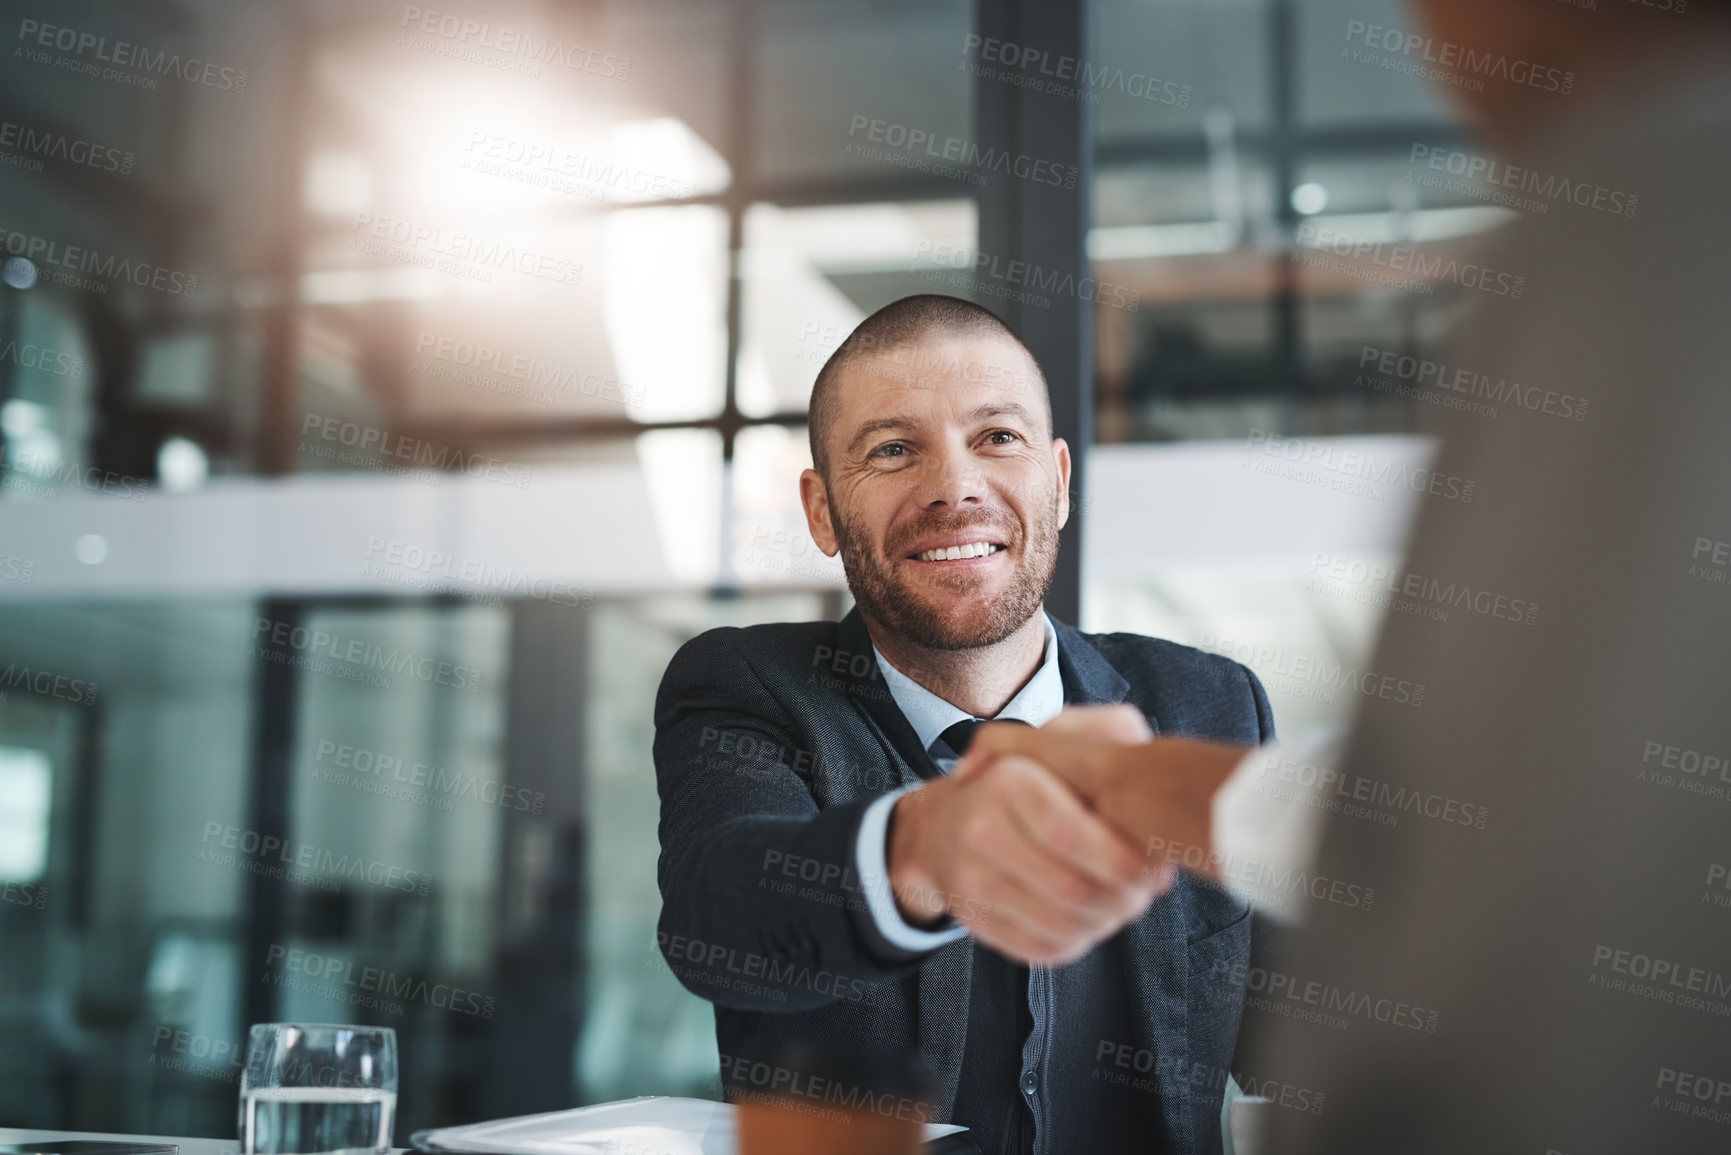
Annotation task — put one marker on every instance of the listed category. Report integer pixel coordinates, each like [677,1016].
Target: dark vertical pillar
[1046,226]
[276,684]
[87,787]
[279,399]
[276,707]
[540,966]
[742,160]
[1283,160]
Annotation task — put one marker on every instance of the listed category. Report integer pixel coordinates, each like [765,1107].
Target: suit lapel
[943,981]
[1153,948]
[872,694]
[1089,679]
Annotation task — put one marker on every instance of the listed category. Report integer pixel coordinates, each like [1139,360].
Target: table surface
[188,1146]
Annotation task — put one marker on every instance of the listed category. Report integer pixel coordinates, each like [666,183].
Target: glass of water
[311,1088]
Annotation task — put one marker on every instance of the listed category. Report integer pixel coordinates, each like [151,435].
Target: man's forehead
[941,369]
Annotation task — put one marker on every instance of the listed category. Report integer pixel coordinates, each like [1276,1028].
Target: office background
[386,395]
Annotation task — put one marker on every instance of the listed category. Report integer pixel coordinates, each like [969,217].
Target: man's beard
[974,624]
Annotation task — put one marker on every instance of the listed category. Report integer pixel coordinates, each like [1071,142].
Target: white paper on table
[654,1124]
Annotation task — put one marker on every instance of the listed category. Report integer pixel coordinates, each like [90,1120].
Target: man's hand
[1019,859]
[1158,791]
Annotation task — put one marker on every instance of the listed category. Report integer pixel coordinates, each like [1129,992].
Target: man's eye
[893,449]
[1001,437]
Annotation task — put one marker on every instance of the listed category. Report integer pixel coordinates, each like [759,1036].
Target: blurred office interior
[353,564]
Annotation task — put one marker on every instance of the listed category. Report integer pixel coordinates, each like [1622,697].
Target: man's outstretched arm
[758,885]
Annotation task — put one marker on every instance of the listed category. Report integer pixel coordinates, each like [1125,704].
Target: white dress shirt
[1036,703]
[1273,831]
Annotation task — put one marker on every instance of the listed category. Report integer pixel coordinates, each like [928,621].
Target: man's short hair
[898,325]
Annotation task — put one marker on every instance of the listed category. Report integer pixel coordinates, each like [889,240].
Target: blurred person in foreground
[1564,965]
[828,886]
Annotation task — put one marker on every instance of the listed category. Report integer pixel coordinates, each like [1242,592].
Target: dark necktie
[958,736]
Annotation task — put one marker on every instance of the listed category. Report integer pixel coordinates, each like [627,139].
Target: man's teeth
[957,552]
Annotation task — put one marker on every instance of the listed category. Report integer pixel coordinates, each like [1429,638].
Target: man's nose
[954,478]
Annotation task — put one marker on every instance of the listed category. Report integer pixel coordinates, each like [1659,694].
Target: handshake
[1043,836]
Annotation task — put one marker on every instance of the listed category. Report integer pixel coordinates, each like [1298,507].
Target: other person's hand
[1015,855]
[1157,791]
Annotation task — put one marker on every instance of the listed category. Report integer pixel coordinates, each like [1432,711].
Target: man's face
[937,449]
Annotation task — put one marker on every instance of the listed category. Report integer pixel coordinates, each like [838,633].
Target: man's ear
[814,496]
[1061,458]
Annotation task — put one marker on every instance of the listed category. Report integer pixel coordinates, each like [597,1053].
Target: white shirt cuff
[1269,818]
[871,854]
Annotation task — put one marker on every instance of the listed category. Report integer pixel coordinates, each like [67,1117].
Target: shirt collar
[1036,703]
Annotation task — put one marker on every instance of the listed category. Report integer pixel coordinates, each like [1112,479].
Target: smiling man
[827,884]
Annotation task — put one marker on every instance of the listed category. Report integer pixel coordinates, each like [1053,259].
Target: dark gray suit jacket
[770,743]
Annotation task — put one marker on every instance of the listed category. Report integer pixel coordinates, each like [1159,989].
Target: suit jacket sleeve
[758,884]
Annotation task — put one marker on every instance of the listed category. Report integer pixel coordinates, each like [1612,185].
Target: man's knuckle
[1076,894]
[979,830]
